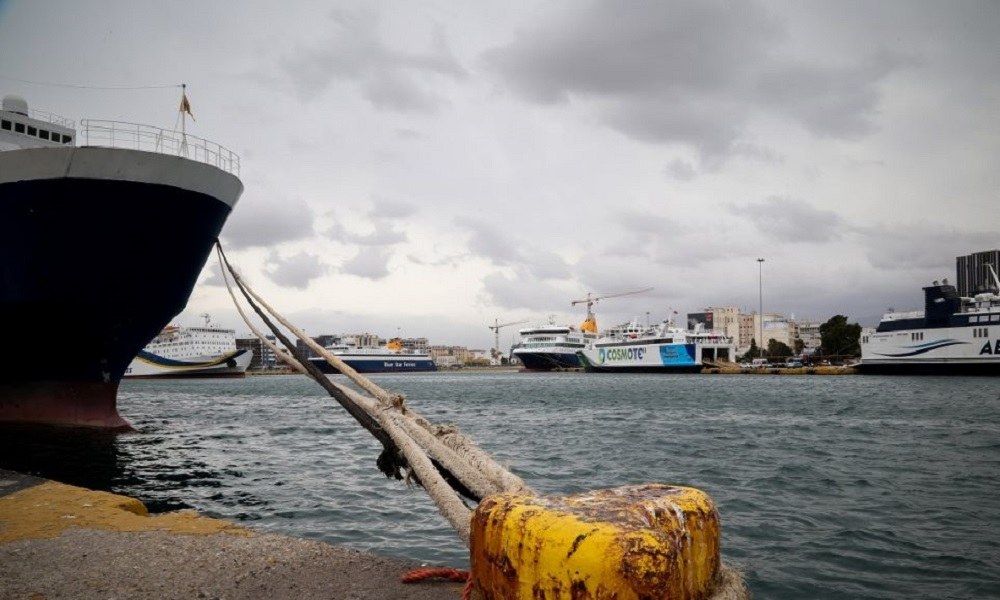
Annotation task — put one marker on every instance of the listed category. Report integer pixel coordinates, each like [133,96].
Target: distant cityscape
[803,336]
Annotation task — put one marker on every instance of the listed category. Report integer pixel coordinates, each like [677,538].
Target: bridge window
[43,134]
[18,127]
[32,131]
[5,125]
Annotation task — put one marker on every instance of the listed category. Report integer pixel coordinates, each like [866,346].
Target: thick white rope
[415,437]
[290,361]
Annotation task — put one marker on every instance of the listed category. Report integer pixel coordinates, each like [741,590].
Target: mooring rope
[444,461]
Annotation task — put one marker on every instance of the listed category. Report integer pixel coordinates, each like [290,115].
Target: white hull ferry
[191,352]
[551,347]
[952,335]
[661,348]
[392,358]
[554,347]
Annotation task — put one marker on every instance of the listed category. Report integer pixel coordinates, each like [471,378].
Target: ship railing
[135,136]
[52,118]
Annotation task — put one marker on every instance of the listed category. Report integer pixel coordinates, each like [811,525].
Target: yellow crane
[496,327]
[590,323]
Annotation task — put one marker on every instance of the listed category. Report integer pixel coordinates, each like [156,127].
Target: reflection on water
[77,456]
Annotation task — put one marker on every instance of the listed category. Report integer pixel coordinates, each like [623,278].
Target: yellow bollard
[633,542]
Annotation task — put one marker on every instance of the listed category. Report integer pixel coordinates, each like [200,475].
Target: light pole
[760,292]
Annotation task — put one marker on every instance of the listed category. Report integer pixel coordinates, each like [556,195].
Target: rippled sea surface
[828,487]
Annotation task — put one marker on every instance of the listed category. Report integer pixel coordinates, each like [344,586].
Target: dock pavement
[59,541]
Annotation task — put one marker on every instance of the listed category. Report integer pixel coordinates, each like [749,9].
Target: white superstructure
[191,352]
[952,335]
[551,347]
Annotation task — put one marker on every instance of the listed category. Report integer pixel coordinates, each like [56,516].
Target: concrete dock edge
[60,541]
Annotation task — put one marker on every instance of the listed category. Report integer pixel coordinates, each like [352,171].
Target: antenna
[996,280]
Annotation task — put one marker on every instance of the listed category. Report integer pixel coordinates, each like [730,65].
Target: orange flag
[186,106]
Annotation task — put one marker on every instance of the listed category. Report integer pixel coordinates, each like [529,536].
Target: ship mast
[185,109]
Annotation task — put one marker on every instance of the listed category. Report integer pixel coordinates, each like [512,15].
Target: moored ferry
[952,335]
[80,209]
[551,347]
[191,352]
[391,358]
[660,348]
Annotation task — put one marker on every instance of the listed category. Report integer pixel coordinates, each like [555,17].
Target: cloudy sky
[430,167]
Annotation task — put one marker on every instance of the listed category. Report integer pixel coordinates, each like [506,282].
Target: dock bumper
[633,542]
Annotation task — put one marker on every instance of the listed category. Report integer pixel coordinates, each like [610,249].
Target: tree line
[838,339]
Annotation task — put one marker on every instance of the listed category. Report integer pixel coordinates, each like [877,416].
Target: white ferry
[952,335]
[660,348]
[191,352]
[551,347]
[391,358]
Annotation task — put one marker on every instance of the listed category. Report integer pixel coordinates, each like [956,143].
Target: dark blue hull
[95,267]
[400,364]
[548,361]
[942,368]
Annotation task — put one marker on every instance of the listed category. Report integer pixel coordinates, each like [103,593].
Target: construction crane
[496,327]
[589,324]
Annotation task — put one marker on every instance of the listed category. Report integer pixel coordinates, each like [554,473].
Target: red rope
[456,575]
[442,573]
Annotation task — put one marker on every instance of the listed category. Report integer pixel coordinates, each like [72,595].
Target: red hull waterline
[62,403]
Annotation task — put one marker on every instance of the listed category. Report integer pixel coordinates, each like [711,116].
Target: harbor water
[828,487]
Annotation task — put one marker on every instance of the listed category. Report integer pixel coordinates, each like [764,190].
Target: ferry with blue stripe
[952,335]
[660,348]
[391,358]
[206,351]
[552,347]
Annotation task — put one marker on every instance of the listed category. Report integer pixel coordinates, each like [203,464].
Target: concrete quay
[61,541]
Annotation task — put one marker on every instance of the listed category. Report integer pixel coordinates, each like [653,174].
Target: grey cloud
[370,263]
[680,170]
[355,52]
[257,222]
[686,72]
[523,291]
[785,219]
[214,274]
[645,223]
[399,92]
[756,152]
[922,247]
[641,234]
[489,243]
[653,48]
[385,234]
[392,209]
[835,101]
[383,215]
[295,271]
[545,264]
